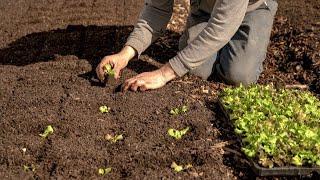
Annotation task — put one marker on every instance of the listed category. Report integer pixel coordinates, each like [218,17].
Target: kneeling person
[228,37]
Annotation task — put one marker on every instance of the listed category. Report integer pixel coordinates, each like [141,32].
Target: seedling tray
[275,171]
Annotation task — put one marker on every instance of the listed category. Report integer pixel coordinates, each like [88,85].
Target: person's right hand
[117,61]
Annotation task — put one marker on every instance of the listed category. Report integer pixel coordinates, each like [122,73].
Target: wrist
[167,72]
[128,53]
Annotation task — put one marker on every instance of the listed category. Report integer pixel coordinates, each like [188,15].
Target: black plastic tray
[275,171]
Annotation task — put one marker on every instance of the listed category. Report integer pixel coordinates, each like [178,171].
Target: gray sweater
[226,18]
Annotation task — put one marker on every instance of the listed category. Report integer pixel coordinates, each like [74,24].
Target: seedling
[176,133]
[184,109]
[47,132]
[27,168]
[278,126]
[104,171]
[178,168]
[109,72]
[110,80]
[179,110]
[114,139]
[174,111]
[104,109]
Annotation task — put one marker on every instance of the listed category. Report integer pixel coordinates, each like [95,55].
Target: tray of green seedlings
[279,129]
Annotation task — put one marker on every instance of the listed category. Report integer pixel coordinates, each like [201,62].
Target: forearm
[167,72]
[128,53]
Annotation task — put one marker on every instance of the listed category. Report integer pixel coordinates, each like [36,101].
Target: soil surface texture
[48,53]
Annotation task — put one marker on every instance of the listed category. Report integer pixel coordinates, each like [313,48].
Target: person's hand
[150,80]
[117,61]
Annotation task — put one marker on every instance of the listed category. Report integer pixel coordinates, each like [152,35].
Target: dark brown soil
[47,78]
[294,52]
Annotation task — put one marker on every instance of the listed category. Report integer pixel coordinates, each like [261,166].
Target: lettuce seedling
[174,111]
[27,168]
[104,109]
[104,171]
[296,160]
[47,132]
[114,139]
[178,168]
[278,127]
[178,134]
[108,70]
[184,109]
[179,110]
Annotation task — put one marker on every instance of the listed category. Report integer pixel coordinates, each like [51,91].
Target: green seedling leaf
[114,139]
[118,138]
[266,162]
[174,111]
[104,109]
[176,133]
[101,171]
[188,166]
[179,110]
[47,132]
[108,70]
[178,168]
[27,168]
[296,160]
[184,109]
[104,171]
[278,127]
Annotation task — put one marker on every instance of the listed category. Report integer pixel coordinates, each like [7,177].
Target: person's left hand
[150,80]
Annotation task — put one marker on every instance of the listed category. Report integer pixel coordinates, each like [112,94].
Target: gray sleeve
[151,23]
[226,18]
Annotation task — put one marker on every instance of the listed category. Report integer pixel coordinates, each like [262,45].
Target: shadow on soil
[91,43]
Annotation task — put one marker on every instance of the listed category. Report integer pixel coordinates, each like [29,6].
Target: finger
[143,88]
[134,86]
[131,86]
[99,71]
[128,83]
[137,84]
[117,70]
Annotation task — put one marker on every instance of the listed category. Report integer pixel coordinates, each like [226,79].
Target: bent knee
[243,77]
[239,75]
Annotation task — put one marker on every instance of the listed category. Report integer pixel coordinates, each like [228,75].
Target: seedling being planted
[109,72]
[178,168]
[47,132]
[27,168]
[104,171]
[114,139]
[104,109]
[179,110]
[110,80]
[176,133]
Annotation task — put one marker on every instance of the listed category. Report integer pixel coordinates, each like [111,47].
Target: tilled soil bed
[47,78]
[54,93]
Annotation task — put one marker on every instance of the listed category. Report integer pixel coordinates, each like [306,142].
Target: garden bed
[47,78]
